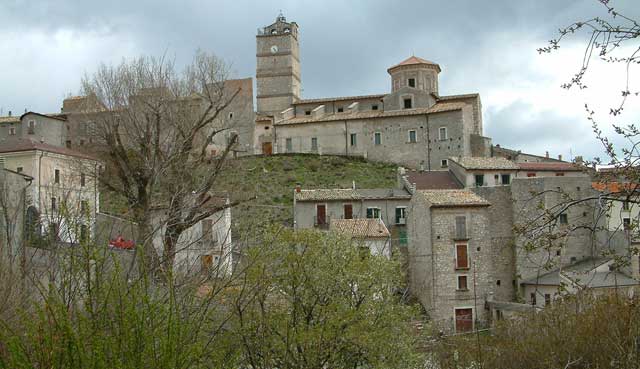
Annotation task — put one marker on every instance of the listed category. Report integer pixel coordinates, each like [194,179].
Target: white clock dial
[274,49]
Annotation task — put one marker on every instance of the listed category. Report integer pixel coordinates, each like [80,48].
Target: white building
[63,198]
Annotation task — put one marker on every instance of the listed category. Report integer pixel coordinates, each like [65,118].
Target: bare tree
[155,125]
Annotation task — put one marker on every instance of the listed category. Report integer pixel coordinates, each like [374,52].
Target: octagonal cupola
[416,73]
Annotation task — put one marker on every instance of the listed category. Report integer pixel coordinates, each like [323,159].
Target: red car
[121,243]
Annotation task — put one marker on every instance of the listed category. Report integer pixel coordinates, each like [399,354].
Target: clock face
[274,49]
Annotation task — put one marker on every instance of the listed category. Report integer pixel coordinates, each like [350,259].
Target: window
[83,180]
[625,205]
[56,178]
[348,211]
[462,258]
[19,169]
[377,138]
[321,214]
[547,299]
[442,133]
[563,218]
[274,31]
[54,203]
[287,30]
[401,214]
[54,231]
[506,179]
[462,283]
[626,223]
[307,112]
[314,143]
[353,139]
[533,298]
[531,174]
[289,144]
[559,174]
[373,213]
[444,163]
[461,227]
[206,261]
[84,207]
[374,107]
[407,103]
[81,142]
[230,115]
[479,180]
[411,82]
[84,233]
[340,110]
[413,138]
[32,127]
[68,144]
[12,131]
[498,282]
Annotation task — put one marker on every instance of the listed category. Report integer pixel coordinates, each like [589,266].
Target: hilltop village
[455,215]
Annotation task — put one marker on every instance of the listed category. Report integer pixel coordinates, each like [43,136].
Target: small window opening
[412,82]
[407,103]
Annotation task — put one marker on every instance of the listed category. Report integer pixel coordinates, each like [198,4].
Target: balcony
[321,222]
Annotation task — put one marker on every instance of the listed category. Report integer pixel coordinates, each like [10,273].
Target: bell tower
[277,67]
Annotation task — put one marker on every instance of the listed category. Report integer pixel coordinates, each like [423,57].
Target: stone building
[369,234]
[63,197]
[450,257]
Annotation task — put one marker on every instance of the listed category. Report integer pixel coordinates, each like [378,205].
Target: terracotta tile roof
[340,98]
[360,228]
[350,194]
[433,180]
[450,198]
[20,145]
[615,187]
[457,97]
[61,117]
[373,114]
[478,163]
[414,60]
[11,119]
[263,118]
[550,167]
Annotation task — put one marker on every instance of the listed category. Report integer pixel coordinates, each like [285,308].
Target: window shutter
[462,262]
[461,227]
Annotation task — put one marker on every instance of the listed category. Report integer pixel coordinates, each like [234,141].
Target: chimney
[353,185]
[298,187]
[560,157]
[579,160]
[546,154]
[9,112]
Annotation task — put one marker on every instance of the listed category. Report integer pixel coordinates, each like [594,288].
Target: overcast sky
[487,47]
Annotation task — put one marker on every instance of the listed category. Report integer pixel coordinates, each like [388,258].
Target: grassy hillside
[272,179]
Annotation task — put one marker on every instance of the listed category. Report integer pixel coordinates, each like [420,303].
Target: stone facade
[278,67]
[444,285]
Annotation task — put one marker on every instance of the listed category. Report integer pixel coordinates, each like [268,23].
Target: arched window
[287,30]
[274,31]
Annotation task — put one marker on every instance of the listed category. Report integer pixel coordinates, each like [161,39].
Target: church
[413,125]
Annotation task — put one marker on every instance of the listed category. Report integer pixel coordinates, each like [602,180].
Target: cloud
[346,47]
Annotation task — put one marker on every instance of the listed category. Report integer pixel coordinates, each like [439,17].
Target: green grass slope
[272,179]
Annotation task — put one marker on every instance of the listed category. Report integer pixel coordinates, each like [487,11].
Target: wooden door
[464,320]
[267,148]
[321,214]
[348,211]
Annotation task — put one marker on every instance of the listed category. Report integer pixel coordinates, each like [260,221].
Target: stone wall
[334,138]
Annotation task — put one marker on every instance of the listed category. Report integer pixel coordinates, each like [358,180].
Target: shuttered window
[462,259]
[461,227]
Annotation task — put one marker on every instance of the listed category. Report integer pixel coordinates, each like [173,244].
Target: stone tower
[278,66]
[416,73]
